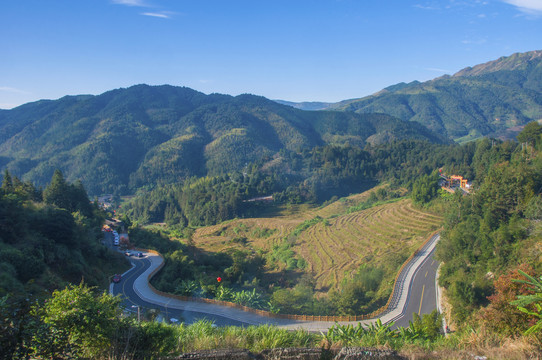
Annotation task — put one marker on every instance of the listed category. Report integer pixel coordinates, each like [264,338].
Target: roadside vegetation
[51,237]
[80,322]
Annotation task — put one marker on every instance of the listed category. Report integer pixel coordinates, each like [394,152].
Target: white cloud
[140,3]
[163,15]
[438,70]
[13,90]
[425,7]
[532,7]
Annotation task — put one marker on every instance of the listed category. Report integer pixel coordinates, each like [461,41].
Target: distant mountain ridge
[144,135]
[486,99]
[517,61]
[491,99]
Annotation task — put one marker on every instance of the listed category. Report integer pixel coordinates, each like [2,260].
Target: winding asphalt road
[422,298]
[416,294]
[131,300]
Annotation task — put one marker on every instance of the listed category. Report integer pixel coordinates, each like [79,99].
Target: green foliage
[44,246]
[88,320]
[72,197]
[306,224]
[359,295]
[187,288]
[202,335]
[422,330]
[224,293]
[531,304]
[530,134]
[249,298]
[425,189]
[75,323]
[480,103]
[485,231]
[143,136]
[500,316]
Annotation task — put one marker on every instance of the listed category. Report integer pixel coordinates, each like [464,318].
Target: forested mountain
[50,238]
[130,138]
[487,99]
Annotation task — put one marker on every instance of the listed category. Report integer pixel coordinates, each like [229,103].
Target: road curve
[414,293]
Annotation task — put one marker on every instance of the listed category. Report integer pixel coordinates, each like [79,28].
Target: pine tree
[58,192]
[7,183]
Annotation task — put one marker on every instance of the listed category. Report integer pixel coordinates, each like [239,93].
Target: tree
[424,189]
[57,193]
[7,183]
[530,133]
[89,321]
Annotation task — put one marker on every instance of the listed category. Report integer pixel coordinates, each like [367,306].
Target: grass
[365,237]
[334,240]
[203,335]
[413,344]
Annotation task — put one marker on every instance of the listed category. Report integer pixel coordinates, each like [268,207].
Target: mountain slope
[486,99]
[143,135]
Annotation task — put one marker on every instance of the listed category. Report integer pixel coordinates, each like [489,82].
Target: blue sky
[298,50]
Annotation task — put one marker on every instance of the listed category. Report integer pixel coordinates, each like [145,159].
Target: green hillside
[51,238]
[130,138]
[487,99]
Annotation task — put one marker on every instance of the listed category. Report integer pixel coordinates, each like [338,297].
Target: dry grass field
[335,247]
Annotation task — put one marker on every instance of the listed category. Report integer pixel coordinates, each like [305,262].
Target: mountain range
[129,138]
[490,99]
[143,135]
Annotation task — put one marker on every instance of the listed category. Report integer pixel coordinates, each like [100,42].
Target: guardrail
[393,296]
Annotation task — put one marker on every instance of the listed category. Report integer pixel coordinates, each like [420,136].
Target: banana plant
[224,294]
[533,301]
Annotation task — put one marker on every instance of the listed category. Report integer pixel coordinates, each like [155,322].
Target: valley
[337,245]
[289,214]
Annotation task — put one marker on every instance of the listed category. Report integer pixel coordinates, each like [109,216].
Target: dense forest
[493,233]
[309,176]
[147,136]
[50,237]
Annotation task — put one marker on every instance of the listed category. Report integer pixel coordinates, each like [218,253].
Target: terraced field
[261,233]
[335,249]
[219,237]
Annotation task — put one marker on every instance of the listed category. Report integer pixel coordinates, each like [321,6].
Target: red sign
[219,279]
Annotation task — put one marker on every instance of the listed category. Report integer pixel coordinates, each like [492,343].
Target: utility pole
[138,312]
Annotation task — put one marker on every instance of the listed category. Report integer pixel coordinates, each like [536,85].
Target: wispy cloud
[531,7]
[143,3]
[139,3]
[424,7]
[13,90]
[438,70]
[162,14]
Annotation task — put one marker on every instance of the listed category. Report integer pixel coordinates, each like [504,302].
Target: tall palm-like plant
[531,304]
